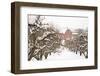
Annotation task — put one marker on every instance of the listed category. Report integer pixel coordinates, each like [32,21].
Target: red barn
[66,36]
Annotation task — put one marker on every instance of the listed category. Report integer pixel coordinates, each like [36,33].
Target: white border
[25,64]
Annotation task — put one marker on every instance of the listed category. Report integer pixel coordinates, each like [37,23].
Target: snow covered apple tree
[43,39]
[83,43]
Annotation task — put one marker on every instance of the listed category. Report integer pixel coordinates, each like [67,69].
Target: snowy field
[63,54]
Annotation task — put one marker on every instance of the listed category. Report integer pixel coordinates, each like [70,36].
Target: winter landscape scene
[57,37]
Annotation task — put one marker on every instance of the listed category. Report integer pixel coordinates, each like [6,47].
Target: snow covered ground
[65,58]
[64,54]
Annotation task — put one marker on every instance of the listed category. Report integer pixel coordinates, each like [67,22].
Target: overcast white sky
[62,23]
